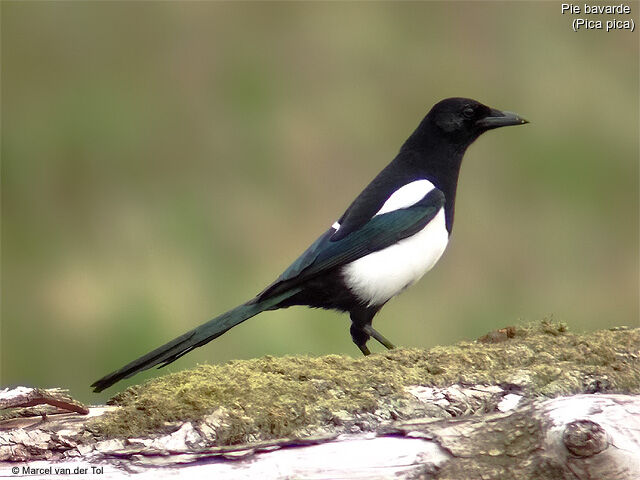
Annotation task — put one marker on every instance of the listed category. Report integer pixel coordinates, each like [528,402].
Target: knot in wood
[585,438]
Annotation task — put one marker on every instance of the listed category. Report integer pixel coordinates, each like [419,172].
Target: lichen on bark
[292,396]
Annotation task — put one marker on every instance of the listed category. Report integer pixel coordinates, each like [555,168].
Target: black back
[434,152]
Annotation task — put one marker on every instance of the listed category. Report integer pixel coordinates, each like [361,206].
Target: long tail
[197,337]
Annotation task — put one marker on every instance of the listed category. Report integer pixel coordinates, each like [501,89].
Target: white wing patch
[408,195]
[404,197]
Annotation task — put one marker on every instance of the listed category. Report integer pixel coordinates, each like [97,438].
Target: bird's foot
[364,349]
[378,336]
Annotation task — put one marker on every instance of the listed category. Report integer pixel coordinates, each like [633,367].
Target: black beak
[498,119]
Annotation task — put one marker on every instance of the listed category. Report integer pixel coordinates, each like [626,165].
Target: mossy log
[527,403]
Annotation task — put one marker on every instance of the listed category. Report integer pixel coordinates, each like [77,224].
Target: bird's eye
[468,112]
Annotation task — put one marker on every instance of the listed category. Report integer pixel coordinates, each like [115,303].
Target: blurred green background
[162,162]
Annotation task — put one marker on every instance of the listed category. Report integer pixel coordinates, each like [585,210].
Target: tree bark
[576,437]
[510,429]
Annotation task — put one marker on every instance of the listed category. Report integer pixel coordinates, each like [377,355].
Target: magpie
[389,237]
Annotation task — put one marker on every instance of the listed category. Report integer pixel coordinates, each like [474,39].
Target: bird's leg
[360,337]
[361,329]
[365,350]
[368,329]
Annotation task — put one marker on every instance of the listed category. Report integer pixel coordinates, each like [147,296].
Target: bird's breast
[379,276]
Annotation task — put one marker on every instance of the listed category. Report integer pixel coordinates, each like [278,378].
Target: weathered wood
[576,437]
[29,397]
[496,421]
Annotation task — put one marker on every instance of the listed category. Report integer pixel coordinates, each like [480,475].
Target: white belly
[377,277]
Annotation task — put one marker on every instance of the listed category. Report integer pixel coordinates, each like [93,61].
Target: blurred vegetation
[162,162]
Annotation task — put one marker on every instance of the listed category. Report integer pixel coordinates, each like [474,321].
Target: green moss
[275,397]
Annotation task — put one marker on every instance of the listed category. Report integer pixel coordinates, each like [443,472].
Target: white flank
[335,226]
[377,277]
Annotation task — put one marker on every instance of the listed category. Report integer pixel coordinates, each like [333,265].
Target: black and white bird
[390,236]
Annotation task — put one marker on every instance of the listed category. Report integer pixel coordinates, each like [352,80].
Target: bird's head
[463,119]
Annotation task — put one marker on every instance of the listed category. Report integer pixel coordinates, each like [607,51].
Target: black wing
[378,233]
[394,176]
